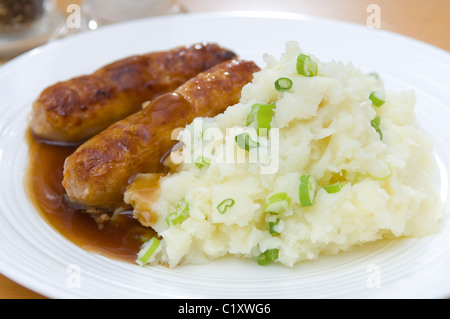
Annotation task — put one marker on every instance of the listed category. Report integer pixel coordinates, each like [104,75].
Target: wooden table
[428,21]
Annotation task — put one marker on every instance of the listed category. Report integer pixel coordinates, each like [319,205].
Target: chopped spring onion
[268,256]
[306,66]
[353,177]
[377,98]
[383,177]
[224,205]
[260,116]
[307,190]
[273,226]
[375,75]
[277,203]
[148,249]
[283,84]
[245,142]
[376,125]
[202,161]
[179,215]
[333,188]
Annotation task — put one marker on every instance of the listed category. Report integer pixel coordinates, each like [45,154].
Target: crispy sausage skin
[77,109]
[98,172]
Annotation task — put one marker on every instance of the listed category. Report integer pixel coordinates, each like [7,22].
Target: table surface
[427,21]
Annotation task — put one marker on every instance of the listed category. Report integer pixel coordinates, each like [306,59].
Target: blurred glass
[18,14]
[25,24]
[102,12]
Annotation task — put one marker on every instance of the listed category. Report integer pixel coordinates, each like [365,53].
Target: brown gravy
[119,238]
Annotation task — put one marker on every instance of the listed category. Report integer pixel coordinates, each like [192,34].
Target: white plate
[36,256]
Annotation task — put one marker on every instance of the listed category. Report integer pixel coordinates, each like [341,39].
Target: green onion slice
[202,161]
[245,142]
[376,125]
[283,84]
[272,226]
[179,215]
[307,190]
[260,116]
[148,249]
[306,66]
[268,256]
[375,75]
[277,203]
[377,98]
[383,177]
[224,205]
[333,188]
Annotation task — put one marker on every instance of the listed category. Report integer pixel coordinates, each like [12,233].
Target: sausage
[98,172]
[75,110]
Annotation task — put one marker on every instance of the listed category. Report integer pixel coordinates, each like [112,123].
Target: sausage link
[75,110]
[98,172]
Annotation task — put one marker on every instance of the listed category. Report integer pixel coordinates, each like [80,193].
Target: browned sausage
[98,172]
[77,109]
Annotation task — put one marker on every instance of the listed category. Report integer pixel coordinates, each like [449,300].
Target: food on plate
[75,110]
[316,158]
[97,173]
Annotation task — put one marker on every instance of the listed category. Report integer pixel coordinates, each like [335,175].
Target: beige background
[428,21]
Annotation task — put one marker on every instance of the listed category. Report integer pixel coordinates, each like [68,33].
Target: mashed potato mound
[322,126]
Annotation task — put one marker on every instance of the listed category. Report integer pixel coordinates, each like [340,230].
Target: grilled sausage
[77,109]
[98,172]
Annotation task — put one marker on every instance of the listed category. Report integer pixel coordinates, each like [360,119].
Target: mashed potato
[234,196]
